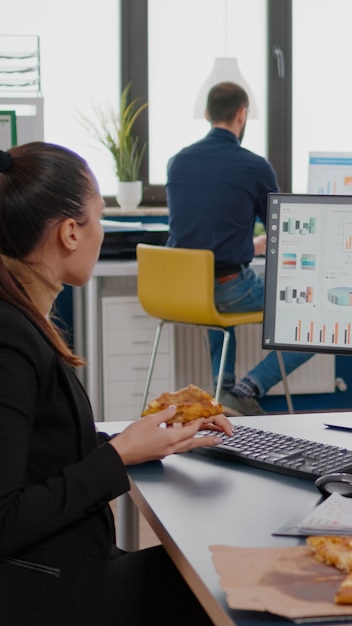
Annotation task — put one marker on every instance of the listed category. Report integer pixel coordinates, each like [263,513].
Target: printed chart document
[332,517]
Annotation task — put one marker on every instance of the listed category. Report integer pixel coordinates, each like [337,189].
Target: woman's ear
[68,234]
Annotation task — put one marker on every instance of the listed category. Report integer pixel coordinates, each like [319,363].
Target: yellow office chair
[177,285]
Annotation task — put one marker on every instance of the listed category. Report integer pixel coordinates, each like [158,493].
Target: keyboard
[280,453]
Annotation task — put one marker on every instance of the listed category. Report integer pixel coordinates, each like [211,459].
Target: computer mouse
[330,483]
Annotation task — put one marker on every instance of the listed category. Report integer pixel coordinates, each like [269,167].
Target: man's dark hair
[224,101]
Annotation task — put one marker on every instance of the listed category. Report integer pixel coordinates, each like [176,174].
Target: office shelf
[20,64]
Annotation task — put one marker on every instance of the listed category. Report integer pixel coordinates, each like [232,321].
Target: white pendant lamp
[224,69]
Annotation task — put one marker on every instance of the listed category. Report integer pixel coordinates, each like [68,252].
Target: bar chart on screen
[333,333]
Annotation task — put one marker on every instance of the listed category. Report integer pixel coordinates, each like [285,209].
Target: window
[180,60]
[322,99]
[168,51]
[79,45]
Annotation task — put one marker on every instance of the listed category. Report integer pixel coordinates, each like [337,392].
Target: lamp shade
[224,69]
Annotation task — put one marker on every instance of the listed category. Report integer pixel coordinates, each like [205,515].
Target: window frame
[134,70]
[280,91]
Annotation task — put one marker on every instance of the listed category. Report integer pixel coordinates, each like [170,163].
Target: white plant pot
[129,194]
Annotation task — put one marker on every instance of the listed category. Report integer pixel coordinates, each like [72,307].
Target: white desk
[192,502]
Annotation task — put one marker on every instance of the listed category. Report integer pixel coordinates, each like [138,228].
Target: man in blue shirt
[216,190]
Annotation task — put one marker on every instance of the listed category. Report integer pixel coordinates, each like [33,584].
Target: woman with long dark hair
[59,564]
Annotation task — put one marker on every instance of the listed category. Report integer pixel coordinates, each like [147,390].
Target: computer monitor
[330,173]
[308,273]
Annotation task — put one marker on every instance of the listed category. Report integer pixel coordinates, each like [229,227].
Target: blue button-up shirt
[215,192]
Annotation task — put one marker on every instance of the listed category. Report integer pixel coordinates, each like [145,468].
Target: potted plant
[115,132]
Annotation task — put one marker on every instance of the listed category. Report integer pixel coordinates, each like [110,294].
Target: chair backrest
[176,284]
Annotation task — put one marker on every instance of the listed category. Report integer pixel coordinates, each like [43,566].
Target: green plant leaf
[115,132]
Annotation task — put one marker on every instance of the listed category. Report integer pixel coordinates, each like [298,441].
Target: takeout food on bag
[335,550]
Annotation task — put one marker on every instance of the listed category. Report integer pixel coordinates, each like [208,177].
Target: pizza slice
[344,593]
[191,402]
[333,550]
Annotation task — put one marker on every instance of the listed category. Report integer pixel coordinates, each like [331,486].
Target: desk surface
[192,502]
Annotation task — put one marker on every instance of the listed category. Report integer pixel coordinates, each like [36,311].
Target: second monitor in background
[330,173]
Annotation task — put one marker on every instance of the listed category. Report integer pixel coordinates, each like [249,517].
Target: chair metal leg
[225,345]
[284,381]
[151,365]
[128,524]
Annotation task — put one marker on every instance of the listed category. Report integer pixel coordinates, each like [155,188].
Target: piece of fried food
[344,593]
[191,402]
[333,550]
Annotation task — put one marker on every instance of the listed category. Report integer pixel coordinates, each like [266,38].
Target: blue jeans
[245,294]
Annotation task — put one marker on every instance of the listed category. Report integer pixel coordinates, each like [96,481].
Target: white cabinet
[127,341]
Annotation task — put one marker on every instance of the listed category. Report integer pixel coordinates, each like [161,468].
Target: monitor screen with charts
[308,274]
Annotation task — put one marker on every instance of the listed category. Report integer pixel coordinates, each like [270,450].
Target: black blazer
[57,477]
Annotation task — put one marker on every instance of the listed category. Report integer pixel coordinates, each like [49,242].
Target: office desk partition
[192,502]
